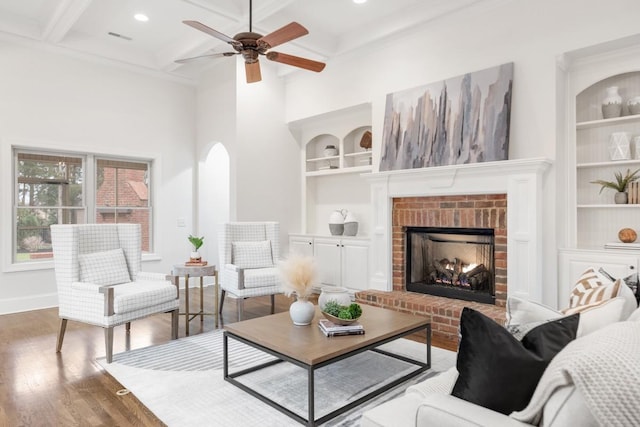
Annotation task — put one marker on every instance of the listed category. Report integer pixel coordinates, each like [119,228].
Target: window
[52,188]
[122,195]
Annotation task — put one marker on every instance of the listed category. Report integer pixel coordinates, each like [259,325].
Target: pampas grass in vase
[299,276]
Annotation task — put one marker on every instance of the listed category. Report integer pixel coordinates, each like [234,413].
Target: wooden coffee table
[308,348]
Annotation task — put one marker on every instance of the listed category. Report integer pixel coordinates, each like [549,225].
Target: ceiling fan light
[141,17]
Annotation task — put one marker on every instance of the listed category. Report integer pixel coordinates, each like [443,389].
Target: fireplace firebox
[451,262]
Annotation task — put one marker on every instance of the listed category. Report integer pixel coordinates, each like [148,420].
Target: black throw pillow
[499,372]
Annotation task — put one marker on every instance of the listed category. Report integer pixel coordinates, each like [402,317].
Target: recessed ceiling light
[359,1]
[141,17]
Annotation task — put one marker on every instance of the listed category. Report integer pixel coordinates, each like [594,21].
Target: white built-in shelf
[609,206]
[358,154]
[323,159]
[338,171]
[601,122]
[609,163]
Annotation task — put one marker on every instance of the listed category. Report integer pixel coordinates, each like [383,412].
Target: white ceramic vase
[302,312]
[336,222]
[332,293]
[195,255]
[620,146]
[612,103]
[350,225]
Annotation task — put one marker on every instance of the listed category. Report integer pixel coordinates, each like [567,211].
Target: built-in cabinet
[332,160]
[599,218]
[593,219]
[341,261]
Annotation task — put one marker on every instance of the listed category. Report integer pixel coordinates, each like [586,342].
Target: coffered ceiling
[107,30]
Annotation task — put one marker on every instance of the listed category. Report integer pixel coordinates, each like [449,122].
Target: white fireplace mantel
[521,180]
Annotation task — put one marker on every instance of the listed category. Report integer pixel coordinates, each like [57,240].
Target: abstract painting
[463,119]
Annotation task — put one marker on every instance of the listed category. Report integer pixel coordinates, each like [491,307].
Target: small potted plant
[620,184]
[197,243]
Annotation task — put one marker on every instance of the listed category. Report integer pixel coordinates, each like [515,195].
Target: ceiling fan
[251,45]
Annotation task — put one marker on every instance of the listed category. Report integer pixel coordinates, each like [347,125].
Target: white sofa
[558,402]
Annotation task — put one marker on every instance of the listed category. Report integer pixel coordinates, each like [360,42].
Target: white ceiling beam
[64,17]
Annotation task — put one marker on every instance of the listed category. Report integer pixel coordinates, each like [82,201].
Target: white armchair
[97,269]
[249,252]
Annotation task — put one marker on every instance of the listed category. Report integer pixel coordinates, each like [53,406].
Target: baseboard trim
[35,302]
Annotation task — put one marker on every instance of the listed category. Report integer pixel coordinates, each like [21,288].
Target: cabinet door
[301,245]
[573,263]
[327,253]
[355,264]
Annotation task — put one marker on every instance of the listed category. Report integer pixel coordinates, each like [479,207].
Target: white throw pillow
[104,268]
[522,315]
[252,254]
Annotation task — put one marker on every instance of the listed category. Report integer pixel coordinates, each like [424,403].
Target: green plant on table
[197,242]
[621,182]
[349,312]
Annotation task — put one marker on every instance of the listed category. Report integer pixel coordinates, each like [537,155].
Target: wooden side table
[195,271]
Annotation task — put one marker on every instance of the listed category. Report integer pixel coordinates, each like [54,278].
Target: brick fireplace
[484,211]
[505,196]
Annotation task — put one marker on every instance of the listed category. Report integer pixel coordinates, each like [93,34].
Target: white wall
[267,155]
[530,33]
[50,100]
[215,124]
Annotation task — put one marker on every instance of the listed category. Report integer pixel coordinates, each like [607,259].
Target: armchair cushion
[104,268]
[260,277]
[138,295]
[252,254]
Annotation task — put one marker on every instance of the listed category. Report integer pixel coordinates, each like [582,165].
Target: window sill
[48,265]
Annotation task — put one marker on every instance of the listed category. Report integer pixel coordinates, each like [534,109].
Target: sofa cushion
[488,377]
[252,254]
[104,268]
[567,407]
[523,315]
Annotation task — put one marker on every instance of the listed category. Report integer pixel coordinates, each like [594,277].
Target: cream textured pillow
[252,254]
[104,268]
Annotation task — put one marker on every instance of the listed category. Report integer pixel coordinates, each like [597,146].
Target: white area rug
[182,383]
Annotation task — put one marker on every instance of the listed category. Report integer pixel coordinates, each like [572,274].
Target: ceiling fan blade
[252,70]
[217,34]
[296,61]
[211,55]
[288,32]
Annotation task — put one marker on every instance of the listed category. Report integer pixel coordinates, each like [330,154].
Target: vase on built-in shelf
[634,105]
[336,222]
[612,103]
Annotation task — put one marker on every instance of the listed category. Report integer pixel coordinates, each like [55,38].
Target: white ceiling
[335,27]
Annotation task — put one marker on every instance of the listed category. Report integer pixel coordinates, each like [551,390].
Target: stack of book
[330,329]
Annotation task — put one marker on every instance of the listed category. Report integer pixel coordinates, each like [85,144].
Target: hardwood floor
[41,388]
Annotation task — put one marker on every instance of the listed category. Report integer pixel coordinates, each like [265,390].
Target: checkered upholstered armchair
[99,281]
[249,252]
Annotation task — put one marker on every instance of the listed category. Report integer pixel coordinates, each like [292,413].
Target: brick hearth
[444,312]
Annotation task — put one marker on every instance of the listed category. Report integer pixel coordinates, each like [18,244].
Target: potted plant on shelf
[620,184]
[197,243]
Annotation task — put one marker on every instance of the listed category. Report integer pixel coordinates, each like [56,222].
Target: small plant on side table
[197,243]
